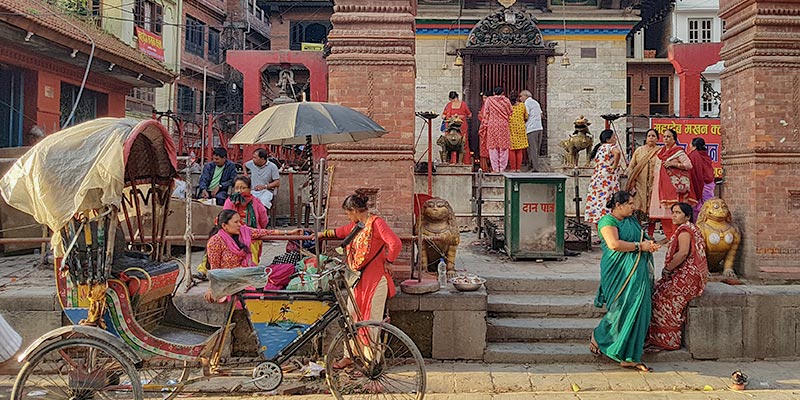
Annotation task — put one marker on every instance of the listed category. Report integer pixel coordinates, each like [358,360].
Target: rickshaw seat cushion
[162,274]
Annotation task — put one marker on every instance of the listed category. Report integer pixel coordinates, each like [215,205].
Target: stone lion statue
[580,139]
[439,235]
[452,141]
[722,237]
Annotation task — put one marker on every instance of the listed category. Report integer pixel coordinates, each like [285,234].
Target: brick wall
[377,79]
[640,75]
[280,26]
[761,144]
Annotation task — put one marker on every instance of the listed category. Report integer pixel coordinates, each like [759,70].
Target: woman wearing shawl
[702,173]
[626,285]
[369,252]
[229,247]
[496,113]
[671,183]
[458,107]
[482,143]
[640,176]
[684,278]
[250,209]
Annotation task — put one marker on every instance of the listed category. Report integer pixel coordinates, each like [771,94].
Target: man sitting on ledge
[217,176]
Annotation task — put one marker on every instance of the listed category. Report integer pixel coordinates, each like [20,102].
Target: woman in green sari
[626,285]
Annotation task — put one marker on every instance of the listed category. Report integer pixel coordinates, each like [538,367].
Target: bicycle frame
[339,294]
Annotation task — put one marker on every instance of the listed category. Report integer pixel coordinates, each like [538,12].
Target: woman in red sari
[371,252]
[684,277]
[458,107]
[250,209]
[671,181]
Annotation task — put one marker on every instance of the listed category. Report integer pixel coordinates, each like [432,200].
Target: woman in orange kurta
[458,107]
[371,252]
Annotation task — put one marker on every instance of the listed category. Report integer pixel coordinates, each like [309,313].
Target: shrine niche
[508,27]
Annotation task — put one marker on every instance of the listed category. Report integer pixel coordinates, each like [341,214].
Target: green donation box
[534,215]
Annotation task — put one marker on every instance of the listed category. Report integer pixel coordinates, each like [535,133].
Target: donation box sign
[534,215]
[690,128]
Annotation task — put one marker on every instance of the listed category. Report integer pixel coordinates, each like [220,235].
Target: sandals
[641,367]
[593,347]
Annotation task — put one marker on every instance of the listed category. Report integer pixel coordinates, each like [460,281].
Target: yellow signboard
[312,47]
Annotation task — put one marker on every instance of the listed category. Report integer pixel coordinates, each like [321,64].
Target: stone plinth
[371,69]
[761,141]
[445,325]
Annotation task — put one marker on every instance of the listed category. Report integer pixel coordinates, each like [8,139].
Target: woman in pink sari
[672,182]
[684,277]
[496,113]
[458,107]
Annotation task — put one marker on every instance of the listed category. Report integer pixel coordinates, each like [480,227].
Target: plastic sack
[225,282]
[10,340]
[280,276]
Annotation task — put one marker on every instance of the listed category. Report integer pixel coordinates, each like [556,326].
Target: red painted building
[43,58]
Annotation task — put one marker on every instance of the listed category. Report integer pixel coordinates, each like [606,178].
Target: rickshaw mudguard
[89,331]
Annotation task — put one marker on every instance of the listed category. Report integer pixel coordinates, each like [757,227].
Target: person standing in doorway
[264,176]
[533,128]
[519,141]
[496,112]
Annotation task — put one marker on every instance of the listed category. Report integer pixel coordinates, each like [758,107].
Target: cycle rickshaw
[104,189]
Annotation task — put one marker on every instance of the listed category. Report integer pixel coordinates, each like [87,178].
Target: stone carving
[580,139]
[452,141]
[722,237]
[508,27]
[439,235]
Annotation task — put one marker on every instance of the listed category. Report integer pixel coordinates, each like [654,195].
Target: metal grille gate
[512,77]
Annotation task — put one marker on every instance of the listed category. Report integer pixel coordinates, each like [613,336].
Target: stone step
[539,329]
[543,285]
[571,352]
[493,206]
[493,192]
[543,306]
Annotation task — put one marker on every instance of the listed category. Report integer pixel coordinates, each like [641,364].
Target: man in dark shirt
[217,177]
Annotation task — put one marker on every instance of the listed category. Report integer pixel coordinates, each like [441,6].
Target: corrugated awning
[652,11]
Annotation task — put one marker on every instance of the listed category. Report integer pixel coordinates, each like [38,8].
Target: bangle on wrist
[636,246]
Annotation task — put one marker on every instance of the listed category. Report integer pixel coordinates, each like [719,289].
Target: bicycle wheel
[385,362]
[78,368]
[163,378]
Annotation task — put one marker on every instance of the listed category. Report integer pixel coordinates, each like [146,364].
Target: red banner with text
[150,44]
[690,128]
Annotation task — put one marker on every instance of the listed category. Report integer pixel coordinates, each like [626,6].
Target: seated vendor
[217,177]
[229,247]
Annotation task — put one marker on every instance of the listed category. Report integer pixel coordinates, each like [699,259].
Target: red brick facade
[761,148]
[372,69]
[639,75]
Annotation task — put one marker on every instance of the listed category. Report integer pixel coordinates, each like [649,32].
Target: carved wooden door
[514,73]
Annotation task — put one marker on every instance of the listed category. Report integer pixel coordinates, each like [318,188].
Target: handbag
[444,126]
[680,180]
[352,276]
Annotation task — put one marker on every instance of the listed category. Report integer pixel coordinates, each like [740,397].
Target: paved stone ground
[776,380]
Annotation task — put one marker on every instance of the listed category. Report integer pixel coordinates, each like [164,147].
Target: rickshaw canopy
[87,166]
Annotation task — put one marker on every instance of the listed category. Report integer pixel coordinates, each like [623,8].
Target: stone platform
[528,312]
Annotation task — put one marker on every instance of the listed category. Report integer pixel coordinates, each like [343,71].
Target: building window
[708,104]
[213,46]
[659,95]
[195,33]
[85,106]
[141,101]
[148,16]
[700,30]
[186,101]
[308,32]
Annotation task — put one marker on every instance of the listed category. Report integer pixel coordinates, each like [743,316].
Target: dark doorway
[11,114]
[86,108]
[488,68]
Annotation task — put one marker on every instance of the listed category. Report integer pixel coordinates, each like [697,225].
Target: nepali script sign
[690,128]
[150,44]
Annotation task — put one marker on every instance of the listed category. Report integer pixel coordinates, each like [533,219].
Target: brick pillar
[761,132]
[372,69]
